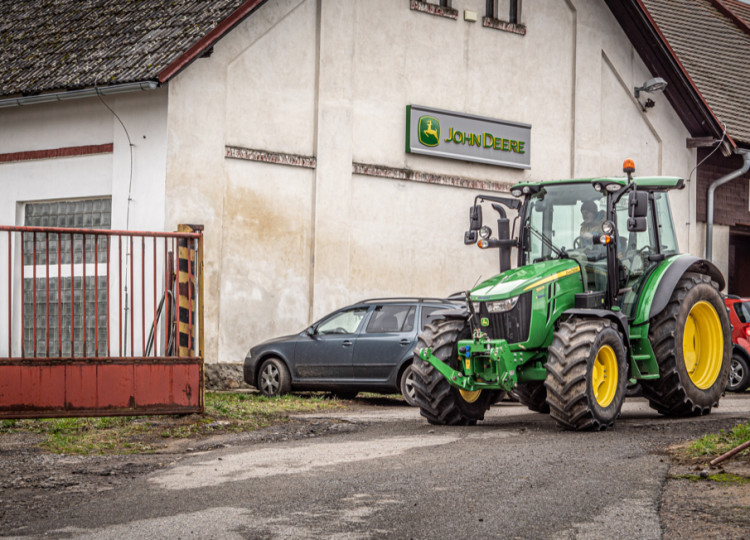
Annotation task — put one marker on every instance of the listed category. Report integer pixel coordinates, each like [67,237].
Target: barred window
[53,306]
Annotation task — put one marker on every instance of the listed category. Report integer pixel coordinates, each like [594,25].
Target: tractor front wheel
[587,374]
[691,345]
[439,402]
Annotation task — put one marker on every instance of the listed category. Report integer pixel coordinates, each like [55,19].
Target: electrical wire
[127,209]
[723,135]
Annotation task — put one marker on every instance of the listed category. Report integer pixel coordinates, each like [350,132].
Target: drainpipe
[716,183]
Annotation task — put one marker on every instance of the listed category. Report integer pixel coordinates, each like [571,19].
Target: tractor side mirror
[638,204]
[637,211]
[637,224]
[470,237]
[475,218]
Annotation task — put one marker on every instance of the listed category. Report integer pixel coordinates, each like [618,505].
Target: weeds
[224,412]
[715,444]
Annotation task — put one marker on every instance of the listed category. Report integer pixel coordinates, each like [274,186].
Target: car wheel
[739,374]
[407,386]
[273,379]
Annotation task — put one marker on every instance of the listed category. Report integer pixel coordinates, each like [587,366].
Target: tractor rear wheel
[587,374]
[690,345]
[439,402]
[533,395]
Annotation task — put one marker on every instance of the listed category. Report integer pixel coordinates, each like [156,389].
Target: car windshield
[560,218]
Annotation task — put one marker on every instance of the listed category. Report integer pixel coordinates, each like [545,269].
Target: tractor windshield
[561,219]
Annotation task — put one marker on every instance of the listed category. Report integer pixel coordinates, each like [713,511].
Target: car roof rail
[733,297]
[419,299]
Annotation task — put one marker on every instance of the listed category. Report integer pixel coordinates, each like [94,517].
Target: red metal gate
[100,322]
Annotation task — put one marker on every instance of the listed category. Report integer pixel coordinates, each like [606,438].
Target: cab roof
[647,182]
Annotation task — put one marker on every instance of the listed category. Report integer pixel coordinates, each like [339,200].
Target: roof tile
[51,45]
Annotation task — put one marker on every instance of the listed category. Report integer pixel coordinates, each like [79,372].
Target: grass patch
[722,478]
[224,413]
[715,444]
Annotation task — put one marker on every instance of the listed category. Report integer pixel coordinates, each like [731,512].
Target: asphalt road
[516,475]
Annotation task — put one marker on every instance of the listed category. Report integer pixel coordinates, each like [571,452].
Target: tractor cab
[616,229]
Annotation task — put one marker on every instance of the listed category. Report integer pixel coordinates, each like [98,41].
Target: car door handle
[405,341]
[346,343]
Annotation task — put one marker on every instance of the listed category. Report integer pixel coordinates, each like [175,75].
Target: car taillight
[747,332]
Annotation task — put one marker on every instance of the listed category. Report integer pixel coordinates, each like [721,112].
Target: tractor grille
[513,325]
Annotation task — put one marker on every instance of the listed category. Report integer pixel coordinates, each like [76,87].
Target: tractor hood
[519,280]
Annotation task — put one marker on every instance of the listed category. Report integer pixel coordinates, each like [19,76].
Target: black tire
[587,374]
[439,402]
[533,395]
[345,394]
[273,378]
[739,374]
[695,310]
[406,384]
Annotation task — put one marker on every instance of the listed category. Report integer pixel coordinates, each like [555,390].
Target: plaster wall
[80,123]
[330,80]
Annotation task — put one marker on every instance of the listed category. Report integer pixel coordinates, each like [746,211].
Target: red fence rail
[100,322]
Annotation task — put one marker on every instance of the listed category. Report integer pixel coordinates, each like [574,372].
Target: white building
[280,126]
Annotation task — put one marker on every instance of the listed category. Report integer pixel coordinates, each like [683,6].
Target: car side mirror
[311,331]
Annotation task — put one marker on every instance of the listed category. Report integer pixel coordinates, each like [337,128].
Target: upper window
[504,15]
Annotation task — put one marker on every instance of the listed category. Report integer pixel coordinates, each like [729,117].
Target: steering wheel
[340,330]
[578,242]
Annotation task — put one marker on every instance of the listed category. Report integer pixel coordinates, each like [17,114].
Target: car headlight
[501,306]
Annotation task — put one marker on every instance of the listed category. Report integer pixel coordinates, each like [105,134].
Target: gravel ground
[34,482]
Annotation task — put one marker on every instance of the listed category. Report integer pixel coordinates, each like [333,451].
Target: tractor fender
[454,314]
[619,318]
[674,272]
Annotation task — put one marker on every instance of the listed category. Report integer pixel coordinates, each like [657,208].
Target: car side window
[344,322]
[391,319]
[743,311]
[427,315]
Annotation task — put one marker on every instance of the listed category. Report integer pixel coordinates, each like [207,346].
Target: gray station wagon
[367,346]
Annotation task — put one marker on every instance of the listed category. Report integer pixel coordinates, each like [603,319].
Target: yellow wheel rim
[703,345]
[604,376]
[470,397]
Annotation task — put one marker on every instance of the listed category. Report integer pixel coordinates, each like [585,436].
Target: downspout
[710,204]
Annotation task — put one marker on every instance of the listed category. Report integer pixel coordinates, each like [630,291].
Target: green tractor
[599,299]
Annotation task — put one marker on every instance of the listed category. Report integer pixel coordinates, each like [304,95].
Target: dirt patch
[703,502]
[38,483]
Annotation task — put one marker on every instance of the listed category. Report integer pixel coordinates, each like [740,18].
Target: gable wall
[322,86]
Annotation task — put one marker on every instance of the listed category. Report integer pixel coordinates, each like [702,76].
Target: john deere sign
[452,135]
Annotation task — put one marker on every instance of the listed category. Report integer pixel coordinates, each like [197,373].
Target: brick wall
[731,199]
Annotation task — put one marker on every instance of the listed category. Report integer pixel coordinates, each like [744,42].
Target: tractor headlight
[501,306]
[516,192]
[485,232]
[608,227]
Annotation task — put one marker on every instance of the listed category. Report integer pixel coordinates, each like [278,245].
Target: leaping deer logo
[429,131]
